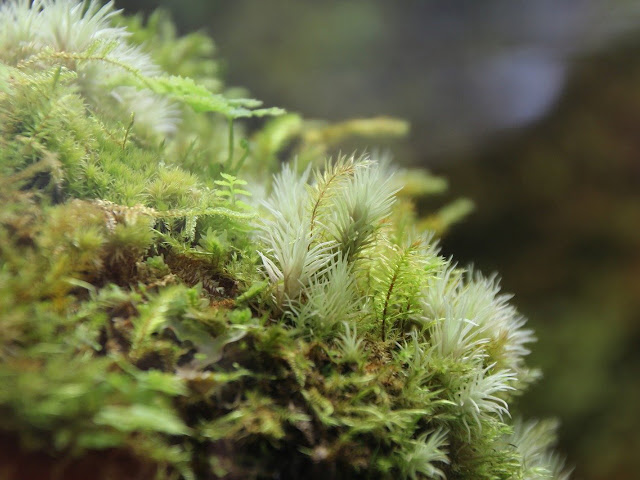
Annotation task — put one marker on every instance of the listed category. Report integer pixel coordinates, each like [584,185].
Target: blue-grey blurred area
[529,107]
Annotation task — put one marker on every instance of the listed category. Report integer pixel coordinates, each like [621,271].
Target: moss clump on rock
[171,310]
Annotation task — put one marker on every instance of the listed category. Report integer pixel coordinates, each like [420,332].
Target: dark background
[529,107]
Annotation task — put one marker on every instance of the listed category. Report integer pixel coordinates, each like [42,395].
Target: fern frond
[199,98]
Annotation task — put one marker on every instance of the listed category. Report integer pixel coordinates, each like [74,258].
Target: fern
[230,193]
[199,98]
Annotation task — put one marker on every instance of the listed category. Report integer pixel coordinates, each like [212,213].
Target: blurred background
[531,108]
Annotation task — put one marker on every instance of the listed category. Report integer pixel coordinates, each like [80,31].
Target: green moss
[152,305]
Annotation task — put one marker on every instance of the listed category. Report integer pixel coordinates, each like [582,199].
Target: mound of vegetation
[180,299]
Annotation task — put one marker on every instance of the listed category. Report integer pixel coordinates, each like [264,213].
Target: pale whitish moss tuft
[31,32]
[329,300]
[471,318]
[534,441]
[360,206]
[291,261]
[419,460]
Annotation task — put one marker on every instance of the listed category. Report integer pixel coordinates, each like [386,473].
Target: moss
[170,311]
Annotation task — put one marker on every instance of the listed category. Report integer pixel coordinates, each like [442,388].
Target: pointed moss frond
[478,394]
[456,337]
[293,257]
[450,334]
[534,441]
[350,345]
[289,198]
[381,421]
[65,25]
[468,310]
[153,315]
[507,338]
[396,277]
[81,36]
[328,181]
[360,206]
[291,261]
[417,459]
[113,97]
[148,311]
[329,299]
[416,359]
[41,116]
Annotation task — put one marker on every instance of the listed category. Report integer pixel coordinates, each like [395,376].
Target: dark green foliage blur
[557,200]
[558,210]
